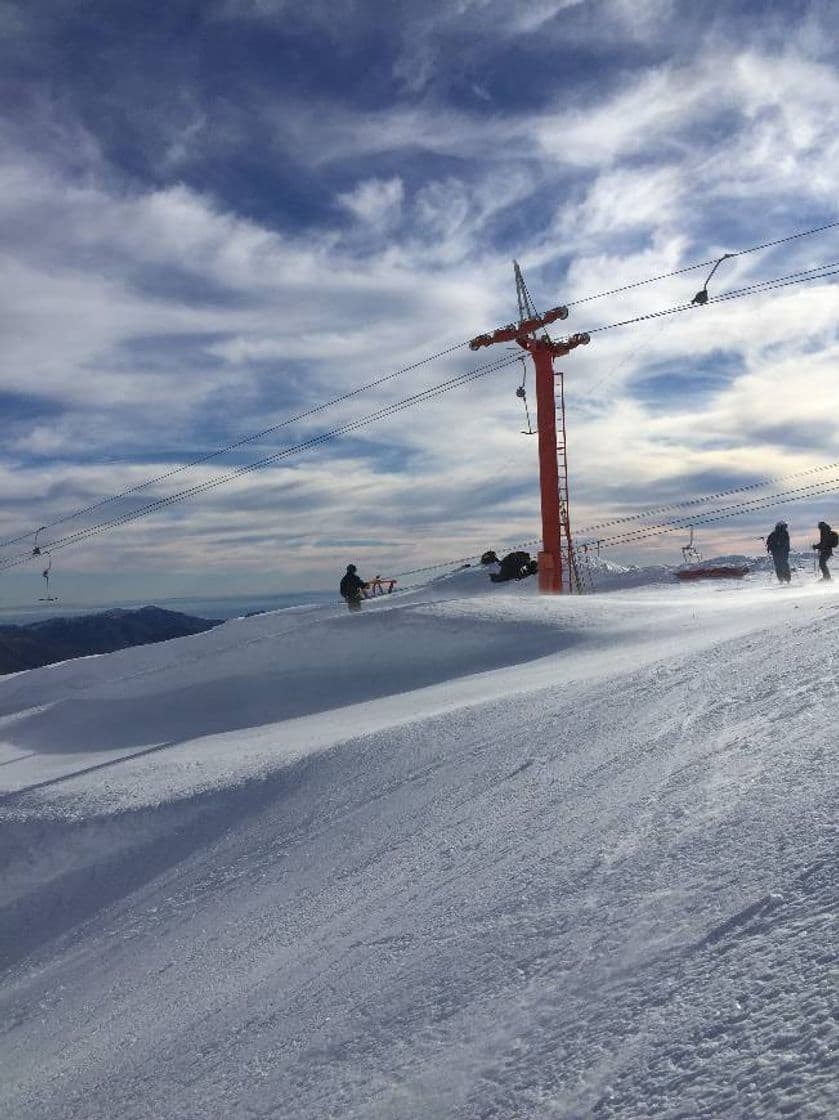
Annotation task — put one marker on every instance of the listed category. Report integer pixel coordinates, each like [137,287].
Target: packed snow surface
[471,853]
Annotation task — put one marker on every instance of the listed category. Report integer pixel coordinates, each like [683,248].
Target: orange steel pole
[550,558]
[543,351]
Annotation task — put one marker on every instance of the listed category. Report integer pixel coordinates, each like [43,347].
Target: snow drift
[474,852]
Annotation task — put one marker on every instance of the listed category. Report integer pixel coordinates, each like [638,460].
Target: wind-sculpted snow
[593,878]
[257,671]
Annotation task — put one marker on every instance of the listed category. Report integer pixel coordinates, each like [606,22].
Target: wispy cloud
[175,279]
[377,203]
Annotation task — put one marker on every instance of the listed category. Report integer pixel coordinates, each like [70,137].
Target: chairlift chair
[521,393]
[690,554]
[46,574]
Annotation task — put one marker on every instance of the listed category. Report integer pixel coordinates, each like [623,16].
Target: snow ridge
[575,859]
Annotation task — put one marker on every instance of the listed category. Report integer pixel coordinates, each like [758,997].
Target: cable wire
[738,293]
[324,437]
[736,512]
[746,506]
[767,285]
[239,443]
[390,376]
[676,523]
[703,264]
[707,498]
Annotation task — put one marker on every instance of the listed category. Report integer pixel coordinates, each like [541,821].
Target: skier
[352,588]
[825,545]
[777,545]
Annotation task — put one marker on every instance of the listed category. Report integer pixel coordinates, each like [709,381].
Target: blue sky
[217,215]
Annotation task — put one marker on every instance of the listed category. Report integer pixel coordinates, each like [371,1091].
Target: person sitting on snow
[352,588]
[825,545]
[777,545]
[515,565]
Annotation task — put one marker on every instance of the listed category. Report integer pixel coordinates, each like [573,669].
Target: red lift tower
[557,555]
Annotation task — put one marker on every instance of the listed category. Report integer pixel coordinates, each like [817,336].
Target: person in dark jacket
[515,565]
[352,588]
[824,546]
[777,545]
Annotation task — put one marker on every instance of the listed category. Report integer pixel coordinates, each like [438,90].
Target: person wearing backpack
[828,540]
[777,545]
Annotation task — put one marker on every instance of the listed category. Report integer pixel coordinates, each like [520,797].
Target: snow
[473,852]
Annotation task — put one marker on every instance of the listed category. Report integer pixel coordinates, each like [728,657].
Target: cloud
[154,317]
[476,26]
[375,202]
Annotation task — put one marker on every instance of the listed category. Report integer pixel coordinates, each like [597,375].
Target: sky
[217,216]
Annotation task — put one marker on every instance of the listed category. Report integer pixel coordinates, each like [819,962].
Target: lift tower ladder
[530,333]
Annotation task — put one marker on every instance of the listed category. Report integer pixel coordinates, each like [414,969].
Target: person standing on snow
[825,545]
[352,588]
[777,545]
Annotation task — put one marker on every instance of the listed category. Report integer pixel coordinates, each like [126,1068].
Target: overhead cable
[655,510]
[830,486]
[713,516]
[240,443]
[200,460]
[684,521]
[707,498]
[315,441]
[738,293]
[702,264]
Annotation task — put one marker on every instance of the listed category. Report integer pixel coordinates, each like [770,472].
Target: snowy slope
[472,853]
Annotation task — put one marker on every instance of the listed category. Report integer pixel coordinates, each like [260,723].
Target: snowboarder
[352,588]
[777,545]
[515,565]
[828,540]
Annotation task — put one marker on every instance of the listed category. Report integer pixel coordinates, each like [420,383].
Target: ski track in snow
[468,855]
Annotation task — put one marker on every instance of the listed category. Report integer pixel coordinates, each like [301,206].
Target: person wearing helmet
[777,545]
[824,546]
[352,588]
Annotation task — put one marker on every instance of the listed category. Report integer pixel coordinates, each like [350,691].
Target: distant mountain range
[58,639]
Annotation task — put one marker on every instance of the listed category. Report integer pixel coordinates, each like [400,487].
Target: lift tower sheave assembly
[531,335]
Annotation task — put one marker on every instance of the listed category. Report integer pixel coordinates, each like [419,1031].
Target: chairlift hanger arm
[521,393]
[701,297]
[47,598]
